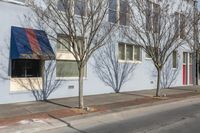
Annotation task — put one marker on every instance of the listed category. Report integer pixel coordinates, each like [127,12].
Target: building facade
[16,71]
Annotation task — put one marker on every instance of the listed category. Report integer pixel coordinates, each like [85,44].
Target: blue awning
[30,44]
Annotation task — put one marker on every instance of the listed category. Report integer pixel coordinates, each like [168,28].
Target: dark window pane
[129,52]
[123,6]
[80,7]
[137,53]
[26,68]
[112,16]
[123,19]
[121,51]
[148,15]
[62,5]
[182,25]
[113,4]
[174,61]
[156,18]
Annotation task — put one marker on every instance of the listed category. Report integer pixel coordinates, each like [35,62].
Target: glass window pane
[184,57]
[121,51]
[62,43]
[123,6]
[66,69]
[137,53]
[174,61]
[129,52]
[190,58]
[123,19]
[62,5]
[112,16]
[26,68]
[79,8]
[113,4]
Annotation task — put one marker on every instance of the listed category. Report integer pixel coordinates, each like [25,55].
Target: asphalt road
[177,117]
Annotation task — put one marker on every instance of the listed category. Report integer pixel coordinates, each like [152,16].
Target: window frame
[152,14]
[180,21]
[133,53]
[63,49]
[73,7]
[68,57]
[118,12]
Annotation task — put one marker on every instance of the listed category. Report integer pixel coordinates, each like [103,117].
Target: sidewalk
[12,114]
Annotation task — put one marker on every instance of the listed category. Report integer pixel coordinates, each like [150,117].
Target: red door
[184,68]
[190,69]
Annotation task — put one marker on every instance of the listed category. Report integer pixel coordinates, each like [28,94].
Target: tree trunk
[197,67]
[81,103]
[158,82]
[43,81]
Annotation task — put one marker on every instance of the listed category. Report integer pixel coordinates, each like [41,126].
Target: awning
[30,44]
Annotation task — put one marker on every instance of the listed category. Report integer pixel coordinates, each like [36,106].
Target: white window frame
[118,11]
[125,49]
[151,23]
[180,18]
[176,60]
[67,56]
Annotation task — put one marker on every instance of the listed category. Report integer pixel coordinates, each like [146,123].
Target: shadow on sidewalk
[133,94]
[67,123]
[55,103]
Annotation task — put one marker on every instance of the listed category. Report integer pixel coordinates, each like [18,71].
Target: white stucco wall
[13,15]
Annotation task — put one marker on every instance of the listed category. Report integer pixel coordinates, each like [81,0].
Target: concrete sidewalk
[59,108]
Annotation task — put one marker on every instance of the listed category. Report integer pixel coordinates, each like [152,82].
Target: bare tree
[169,74]
[110,70]
[159,28]
[77,20]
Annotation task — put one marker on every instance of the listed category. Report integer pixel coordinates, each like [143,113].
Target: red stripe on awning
[35,46]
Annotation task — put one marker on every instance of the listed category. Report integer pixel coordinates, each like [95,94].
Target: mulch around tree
[61,113]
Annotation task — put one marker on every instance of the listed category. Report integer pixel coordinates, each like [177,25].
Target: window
[124,12]
[191,58]
[67,68]
[153,17]
[184,57]
[137,53]
[80,7]
[121,52]
[63,44]
[62,5]
[174,59]
[121,14]
[26,68]
[112,11]
[180,24]
[66,65]
[129,52]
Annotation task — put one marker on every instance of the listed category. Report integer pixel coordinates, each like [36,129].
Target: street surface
[176,117]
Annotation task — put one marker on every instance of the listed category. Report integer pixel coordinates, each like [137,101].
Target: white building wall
[13,15]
